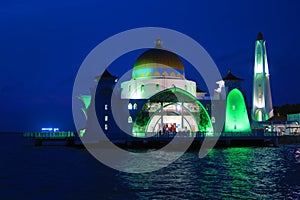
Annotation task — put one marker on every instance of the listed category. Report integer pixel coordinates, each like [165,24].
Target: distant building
[294,117]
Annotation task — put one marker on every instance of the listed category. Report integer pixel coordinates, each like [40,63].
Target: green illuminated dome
[158,62]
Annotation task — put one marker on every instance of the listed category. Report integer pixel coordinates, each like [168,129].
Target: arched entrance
[172,110]
[258,115]
[173,118]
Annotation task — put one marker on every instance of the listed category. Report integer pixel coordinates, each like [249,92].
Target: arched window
[129,106]
[157,86]
[233,107]
[106,127]
[142,88]
[129,119]
[105,107]
[129,88]
[213,119]
[106,118]
[134,106]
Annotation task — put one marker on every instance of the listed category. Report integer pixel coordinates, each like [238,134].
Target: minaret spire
[262,108]
[260,36]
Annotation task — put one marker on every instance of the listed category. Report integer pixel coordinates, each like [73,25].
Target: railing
[50,135]
[258,134]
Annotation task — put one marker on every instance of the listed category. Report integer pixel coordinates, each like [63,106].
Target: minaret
[262,108]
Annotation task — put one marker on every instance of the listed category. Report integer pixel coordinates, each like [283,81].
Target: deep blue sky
[43,43]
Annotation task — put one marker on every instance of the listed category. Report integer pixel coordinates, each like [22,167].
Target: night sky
[43,43]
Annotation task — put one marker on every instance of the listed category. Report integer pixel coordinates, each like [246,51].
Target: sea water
[60,172]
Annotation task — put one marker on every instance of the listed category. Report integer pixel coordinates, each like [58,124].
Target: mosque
[159,99]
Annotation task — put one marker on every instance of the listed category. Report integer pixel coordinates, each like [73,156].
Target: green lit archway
[182,101]
[258,115]
[182,115]
[236,113]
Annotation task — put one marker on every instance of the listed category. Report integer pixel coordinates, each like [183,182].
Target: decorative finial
[158,44]
[259,36]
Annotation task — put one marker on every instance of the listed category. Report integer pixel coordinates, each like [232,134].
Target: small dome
[158,62]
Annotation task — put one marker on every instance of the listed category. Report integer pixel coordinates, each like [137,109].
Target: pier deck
[225,139]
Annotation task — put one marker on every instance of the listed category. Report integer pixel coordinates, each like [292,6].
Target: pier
[68,137]
[256,138]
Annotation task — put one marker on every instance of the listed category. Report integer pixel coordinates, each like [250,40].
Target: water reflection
[297,155]
[241,173]
[70,173]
